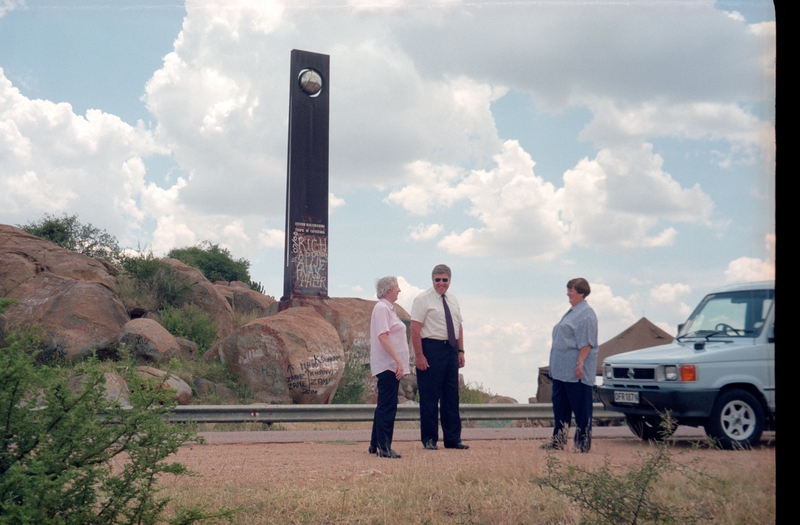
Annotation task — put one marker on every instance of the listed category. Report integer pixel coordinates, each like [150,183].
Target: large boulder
[205,295]
[76,317]
[23,256]
[71,296]
[115,387]
[244,299]
[294,356]
[350,317]
[183,392]
[188,349]
[223,394]
[148,341]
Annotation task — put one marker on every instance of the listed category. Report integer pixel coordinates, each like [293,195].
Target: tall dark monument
[306,249]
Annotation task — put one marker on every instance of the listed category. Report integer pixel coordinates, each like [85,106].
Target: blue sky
[522,143]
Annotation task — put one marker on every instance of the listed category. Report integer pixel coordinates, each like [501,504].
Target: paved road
[467,434]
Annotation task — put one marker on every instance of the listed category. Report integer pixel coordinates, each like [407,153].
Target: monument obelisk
[306,245]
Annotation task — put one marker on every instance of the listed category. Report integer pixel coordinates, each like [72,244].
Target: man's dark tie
[451,331]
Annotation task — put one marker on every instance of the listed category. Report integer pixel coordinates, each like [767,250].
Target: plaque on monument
[306,243]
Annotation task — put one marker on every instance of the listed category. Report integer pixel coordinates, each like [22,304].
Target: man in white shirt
[437,335]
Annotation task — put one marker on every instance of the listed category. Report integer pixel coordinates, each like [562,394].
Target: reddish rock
[188,349]
[149,341]
[71,296]
[206,296]
[204,387]
[183,392]
[77,317]
[498,399]
[296,353]
[115,386]
[22,256]
[244,299]
[349,316]
[408,387]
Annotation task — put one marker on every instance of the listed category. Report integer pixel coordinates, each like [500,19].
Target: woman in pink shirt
[388,357]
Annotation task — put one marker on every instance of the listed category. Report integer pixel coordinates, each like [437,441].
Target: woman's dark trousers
[385,411]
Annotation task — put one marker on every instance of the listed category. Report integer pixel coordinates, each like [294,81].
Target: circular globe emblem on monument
[310,82]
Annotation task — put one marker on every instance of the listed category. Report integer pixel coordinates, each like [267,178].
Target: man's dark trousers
[438,385]
[385,411]
[569,398]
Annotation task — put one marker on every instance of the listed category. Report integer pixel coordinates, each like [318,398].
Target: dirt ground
[343,461]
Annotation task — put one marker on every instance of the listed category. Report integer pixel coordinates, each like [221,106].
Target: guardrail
[405,412]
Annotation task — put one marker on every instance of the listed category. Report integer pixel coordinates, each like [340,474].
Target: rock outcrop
[205,295]
[71,296]
[188,349]
[23,256]
[222,393]
[116,388]
[148,341]
[244,299]
[183,392]
[294,356]
[350,317]
[498,399]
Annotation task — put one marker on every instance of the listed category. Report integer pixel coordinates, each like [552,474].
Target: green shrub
[214,262]
[192,323]
[216,371]
[71,456]
[612,495]
[150,283]
[472,393]
[353,384]
[69,233]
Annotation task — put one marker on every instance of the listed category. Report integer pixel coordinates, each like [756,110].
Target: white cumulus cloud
[746,269]
[422,232]
[54,161]
[670,293]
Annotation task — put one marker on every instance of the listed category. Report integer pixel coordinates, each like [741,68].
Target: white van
[719,373]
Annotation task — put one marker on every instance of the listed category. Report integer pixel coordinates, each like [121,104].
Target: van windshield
[730,314]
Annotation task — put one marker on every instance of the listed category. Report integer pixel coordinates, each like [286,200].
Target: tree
[215,263]
[69,233]
[70,455]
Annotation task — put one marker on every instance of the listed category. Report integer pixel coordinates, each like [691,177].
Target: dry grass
[242,318]
[318,483]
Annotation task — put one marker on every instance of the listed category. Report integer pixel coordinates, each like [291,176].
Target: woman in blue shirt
[573,365]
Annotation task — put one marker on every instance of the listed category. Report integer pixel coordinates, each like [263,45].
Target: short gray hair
[384,285]
[441,268]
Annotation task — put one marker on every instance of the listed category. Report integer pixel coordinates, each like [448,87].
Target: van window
[730,314]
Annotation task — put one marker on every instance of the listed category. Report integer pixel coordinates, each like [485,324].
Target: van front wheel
[737,420]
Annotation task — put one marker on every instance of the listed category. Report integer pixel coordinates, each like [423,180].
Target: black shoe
[551,445]
[458,446]
[430,445]
[372,450]
[388,454]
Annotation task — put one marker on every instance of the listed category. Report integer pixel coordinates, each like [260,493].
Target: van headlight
[608,372]
[671,373]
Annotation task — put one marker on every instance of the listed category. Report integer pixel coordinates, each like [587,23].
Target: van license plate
[626,397]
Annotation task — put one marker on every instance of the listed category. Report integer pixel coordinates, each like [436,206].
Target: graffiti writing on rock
[251,354]
[313,375]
